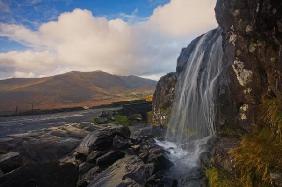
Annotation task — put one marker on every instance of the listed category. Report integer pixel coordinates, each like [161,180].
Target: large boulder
[102,139]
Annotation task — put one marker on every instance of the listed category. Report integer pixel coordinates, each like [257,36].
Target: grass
[259,153]
[122,120]
[150,117]
[220,178]
[271,110]
[231,131]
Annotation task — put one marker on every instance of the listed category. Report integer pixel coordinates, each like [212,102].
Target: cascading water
[193,112]
[192,121]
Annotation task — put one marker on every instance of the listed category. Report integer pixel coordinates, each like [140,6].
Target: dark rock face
[252,44]
[42,174]
[163,99]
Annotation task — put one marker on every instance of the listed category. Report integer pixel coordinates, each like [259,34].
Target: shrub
[122,120]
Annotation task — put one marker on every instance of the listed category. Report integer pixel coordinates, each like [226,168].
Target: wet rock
[83,183]
[80,156]
[48,148]
[10,161]
[109,158]
[120,142]
[85,166]
[1,173]
[105,117]
[92,157]
[160,180]
[140,172]
[101,120]
[102,139]
[89,176]
[42,174]
[128,171]
[136,148]
[160,161]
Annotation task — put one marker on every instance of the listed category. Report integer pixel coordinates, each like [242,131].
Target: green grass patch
[122,120]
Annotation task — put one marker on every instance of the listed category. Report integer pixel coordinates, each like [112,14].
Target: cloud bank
[78,40]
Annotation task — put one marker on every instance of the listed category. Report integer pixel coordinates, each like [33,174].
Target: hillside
[70,90]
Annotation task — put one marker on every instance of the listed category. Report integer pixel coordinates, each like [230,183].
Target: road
[23,124]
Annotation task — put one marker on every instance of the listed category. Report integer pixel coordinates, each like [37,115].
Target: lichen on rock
[244,76]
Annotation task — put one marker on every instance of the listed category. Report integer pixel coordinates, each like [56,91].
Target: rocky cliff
[249,121]
[163,99]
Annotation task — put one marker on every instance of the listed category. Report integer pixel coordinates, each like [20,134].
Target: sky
[126,37]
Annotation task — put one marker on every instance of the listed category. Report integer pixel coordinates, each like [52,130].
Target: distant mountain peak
[72,89]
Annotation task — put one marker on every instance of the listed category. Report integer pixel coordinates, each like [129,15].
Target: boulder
[10,161]
[109,158]
[102,139]
[101,120]
[92,157]
[85,166]
[160,161]
[49,148]
[80,156]
[120,142]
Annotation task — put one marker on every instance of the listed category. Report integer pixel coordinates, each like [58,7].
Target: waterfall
[194,110]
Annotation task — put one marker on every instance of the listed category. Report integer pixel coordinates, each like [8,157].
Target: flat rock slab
[10,161]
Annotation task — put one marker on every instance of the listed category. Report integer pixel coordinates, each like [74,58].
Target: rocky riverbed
[84,154]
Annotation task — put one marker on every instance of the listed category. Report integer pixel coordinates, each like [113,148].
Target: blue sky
[32,13]
[141,37]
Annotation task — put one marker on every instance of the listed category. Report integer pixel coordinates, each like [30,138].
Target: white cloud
[78,40]
[181,17]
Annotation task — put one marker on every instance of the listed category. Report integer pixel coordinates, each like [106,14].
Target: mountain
[70,90]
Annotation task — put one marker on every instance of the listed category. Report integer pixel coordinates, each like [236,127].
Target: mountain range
[71,89]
